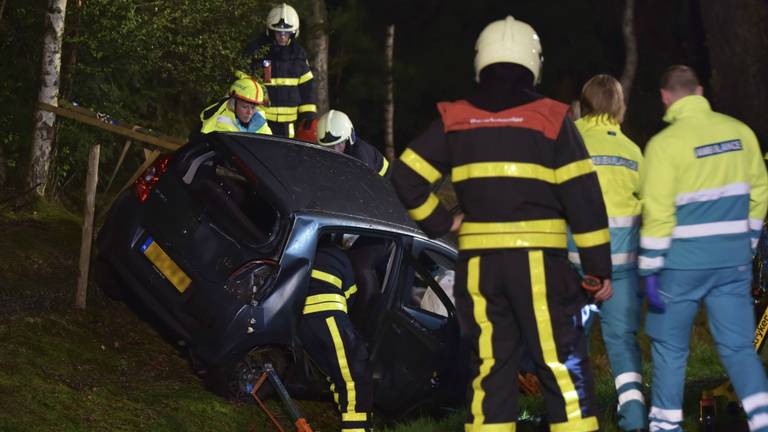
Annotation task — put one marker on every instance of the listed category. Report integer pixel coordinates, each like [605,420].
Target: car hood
[307,178]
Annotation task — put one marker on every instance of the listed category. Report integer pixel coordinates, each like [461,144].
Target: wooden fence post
[88,212]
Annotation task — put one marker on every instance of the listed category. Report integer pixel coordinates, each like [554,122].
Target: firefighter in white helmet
[241,111]
[522,176]
[283,64]
[335,129]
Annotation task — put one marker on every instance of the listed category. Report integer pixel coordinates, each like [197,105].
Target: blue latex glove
[652,285]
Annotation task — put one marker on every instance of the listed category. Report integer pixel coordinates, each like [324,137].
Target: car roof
[308,178]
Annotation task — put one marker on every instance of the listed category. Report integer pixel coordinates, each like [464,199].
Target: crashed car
[214,245]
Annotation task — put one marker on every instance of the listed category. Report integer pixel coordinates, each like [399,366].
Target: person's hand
[605,292]
[599,289]
[458,218]
[652,286]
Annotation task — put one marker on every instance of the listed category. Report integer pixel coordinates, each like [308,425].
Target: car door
[416,356]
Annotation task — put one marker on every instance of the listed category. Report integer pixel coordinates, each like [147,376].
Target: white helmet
[334,127]
[508,41]
[283,18]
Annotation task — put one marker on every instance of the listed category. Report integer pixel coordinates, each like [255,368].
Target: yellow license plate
[165,265]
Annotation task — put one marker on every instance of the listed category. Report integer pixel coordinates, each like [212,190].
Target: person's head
[335,130]
[283,24]
[602,95]
[509,41]
[677,82]
[245,95]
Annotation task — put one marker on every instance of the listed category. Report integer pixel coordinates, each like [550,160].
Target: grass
[103,369]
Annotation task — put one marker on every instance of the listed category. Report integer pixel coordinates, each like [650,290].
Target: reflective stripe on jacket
[704,189]
[224,120]
[617,161]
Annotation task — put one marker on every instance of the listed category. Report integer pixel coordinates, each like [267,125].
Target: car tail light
[149,178]
[252,282]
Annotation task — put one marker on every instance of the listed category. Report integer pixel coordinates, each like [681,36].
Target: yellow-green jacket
[224,120]
[704,190]
[617,161]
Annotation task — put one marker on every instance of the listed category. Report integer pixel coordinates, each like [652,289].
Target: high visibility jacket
[291,87]
[224,120]
[521,175]
[332,281]
[617,160]
[704,189]
[369,155]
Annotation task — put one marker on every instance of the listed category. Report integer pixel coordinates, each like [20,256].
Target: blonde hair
[602,95]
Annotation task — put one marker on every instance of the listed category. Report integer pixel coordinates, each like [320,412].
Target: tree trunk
[43,134]
[630,49]
[3,164]
[389,108]
[318,46]
[737,38]
[92,179]
[2,9]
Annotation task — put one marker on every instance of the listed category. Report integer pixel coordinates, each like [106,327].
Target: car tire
[107,281]
[232,380]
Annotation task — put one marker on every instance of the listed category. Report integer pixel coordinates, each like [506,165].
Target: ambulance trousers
[333,343]
[511,299]
[726,295]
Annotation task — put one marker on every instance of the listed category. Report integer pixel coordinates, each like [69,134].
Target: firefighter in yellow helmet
[522,176]
[240,112]
[283,64]
[335,129]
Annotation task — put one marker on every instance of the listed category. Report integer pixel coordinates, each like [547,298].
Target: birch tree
[389,107]
[44,132]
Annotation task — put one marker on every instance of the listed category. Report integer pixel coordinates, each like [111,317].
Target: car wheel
[235,379]
[107,281]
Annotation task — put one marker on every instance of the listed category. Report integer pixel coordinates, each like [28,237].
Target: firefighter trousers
[333,343]
[725,293]
[285,129]
[511,299]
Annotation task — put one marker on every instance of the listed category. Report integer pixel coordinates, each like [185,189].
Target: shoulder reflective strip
[304,78]
[307,108]
[547,343]
[758,421]
[423,211]
[351,290]
[657,243]
[755,401]
[587,424]
[354,417]
[384,166]
[593,238]
[326,277]
[631,395]
[626,378]
[623,221]
[324,298]
[485,340]
[710,229]
[756,224]
[325,307]
[283,82]
[506,241]
[420,165]
[573,170]
[712,194]
[540,226]
[645,263]
[502,169]
[670,415]
[341,359]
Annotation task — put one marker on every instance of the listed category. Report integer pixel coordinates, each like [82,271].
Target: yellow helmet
[333,128]
[508,41]
[247,89]
[283,18]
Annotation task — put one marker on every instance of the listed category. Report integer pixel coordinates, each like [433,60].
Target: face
[282,37]
[340,147]
[244,110]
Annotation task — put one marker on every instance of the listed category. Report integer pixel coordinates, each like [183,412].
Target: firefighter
[521,175]
[240,112]
[330,339]
[335,129]
[617,161]
[705,193]
[283,64]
